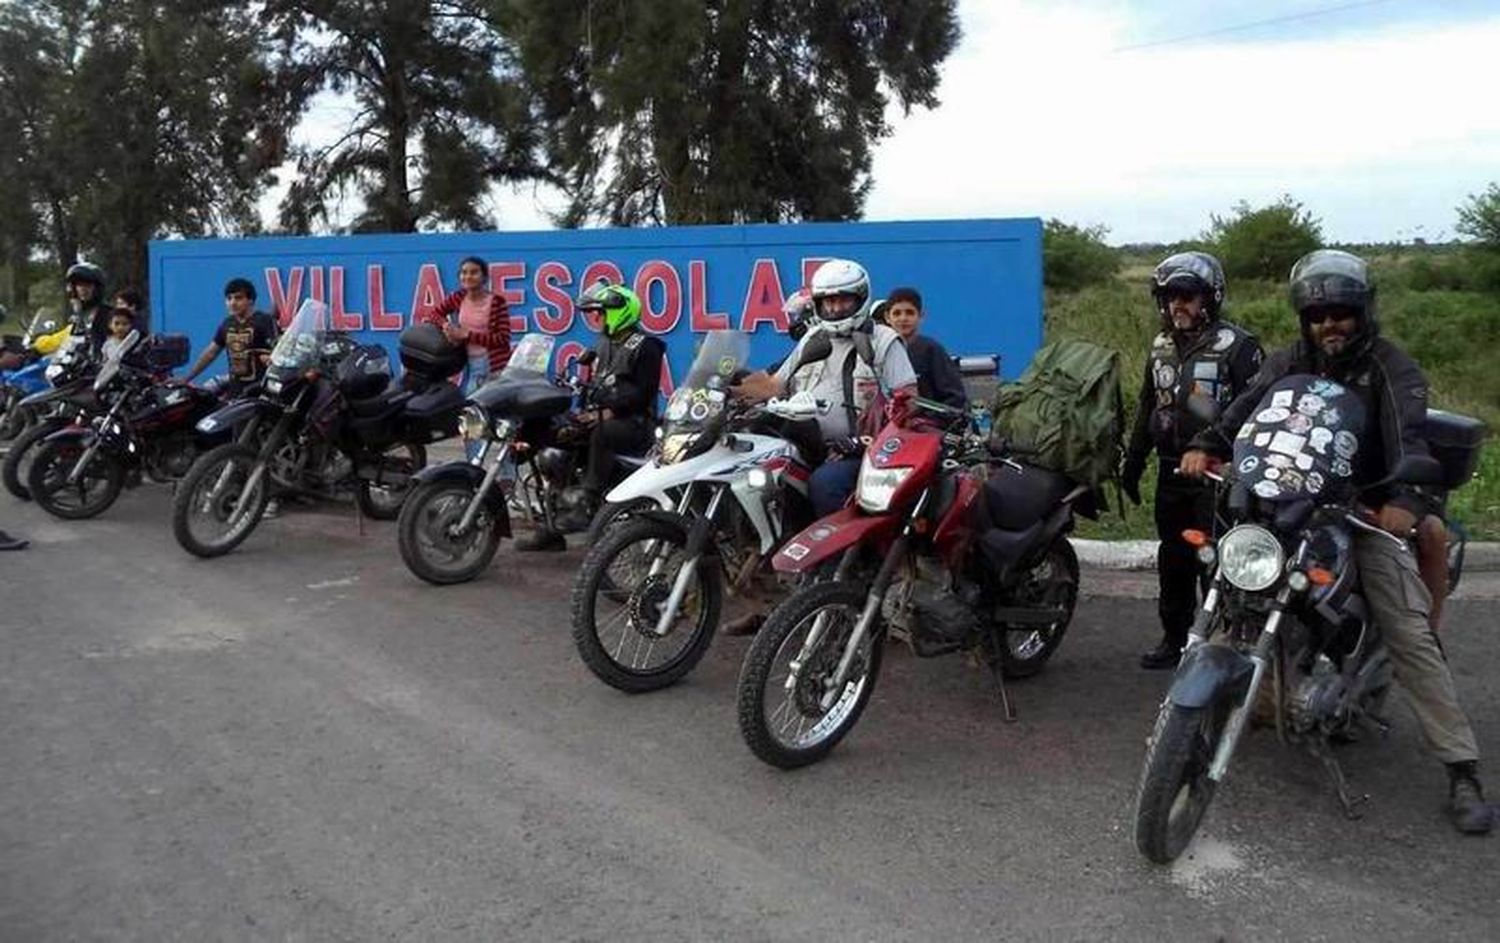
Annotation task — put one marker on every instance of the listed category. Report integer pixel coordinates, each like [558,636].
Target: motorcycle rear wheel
[614,587]
[225,470]
[98,487]
[383,502]
[14,468]
[429,550]
[1053,582]
[1175,790]
[774,720]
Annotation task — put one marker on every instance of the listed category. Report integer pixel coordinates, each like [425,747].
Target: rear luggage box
[426,351]
[164,352]
[1456,442]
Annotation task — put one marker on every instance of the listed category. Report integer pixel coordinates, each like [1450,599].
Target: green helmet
[619,306]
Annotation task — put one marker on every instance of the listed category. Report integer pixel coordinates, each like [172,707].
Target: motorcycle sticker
[1342,468]
[1272,473]
[1314,483]
[890,445]
[677,409]
[1272,415]
[1330,417]
[699,412]
[1166,375]
[1324,388]
[1310,404]
[1279,461]
[1266,489]
[1282,398]
[1345,444]
[797,551]
[1250,464]
[1291,480]
[820,533]
[726,366]
[1319,439]
[1246,431]
[1304,461]
[1262,440]
[1299,423]
[716,396]
[1287,443]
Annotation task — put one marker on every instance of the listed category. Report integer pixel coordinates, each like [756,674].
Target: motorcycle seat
[1018,499]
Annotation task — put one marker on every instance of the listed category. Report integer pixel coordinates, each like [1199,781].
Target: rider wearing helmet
[246,333]
[84,283]
[621,410]
[1198,364]
[1334,298]
[866,359]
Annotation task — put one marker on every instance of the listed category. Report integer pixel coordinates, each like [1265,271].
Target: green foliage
[441,113]
[675,111]
[1075,257]
[1263,242]
[1471,268]
[1479,218]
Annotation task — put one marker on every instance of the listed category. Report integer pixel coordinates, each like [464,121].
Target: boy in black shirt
[937,376]
[248,335]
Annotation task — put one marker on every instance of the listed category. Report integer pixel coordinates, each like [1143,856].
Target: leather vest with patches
[617,357]
[1191,385]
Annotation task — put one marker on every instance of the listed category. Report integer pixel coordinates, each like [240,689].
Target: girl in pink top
[477,317]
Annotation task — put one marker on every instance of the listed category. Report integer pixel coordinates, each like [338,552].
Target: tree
[681,111]
[1479,218]
[440,114]
[1074,257]
[141,119]
[1264,242]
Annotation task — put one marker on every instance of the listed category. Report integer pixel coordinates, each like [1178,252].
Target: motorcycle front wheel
[1175,790]
[789,666]
[213,512]
[13,419]
[17,463]
[617,603]
[97,487]
[427,531]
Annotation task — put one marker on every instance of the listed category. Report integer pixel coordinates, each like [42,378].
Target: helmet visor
[1185,266]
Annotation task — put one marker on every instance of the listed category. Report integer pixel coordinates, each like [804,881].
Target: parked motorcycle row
[950,544]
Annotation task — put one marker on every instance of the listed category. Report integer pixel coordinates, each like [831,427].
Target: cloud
[1375,132]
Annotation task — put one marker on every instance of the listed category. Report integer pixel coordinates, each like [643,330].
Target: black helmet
[1197,272]
[240,286]
[85,272]
[1330,278]
[554,463]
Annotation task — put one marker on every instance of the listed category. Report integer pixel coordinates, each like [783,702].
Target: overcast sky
[1381,116]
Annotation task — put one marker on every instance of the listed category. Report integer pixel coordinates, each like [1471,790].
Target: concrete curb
[1141,555]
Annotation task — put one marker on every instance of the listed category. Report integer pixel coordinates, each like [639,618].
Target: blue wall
[981,280]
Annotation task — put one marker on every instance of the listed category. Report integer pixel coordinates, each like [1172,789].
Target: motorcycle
[1285,602]
[955,548]
[70,397]
[79,471]
[646,600]
[458,512]
[26,361]
[325,420]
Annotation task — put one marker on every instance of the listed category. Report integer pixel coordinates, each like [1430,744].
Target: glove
[1130,479]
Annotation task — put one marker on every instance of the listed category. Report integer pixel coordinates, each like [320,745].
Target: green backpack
[1065,413]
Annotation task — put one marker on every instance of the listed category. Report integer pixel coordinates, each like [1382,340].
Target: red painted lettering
[284,300]
[559,317]
[609,272]
[343,319]
[659,319]
[429,291]
[502,273]
[316,292]
[764,300]
[699,317]
[809,266]
[380,319]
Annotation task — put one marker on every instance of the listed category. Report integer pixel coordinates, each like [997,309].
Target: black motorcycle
[70,399]
[1285,602]
[326,420]
[148,429]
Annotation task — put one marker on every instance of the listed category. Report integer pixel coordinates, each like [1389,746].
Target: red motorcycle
[946,544]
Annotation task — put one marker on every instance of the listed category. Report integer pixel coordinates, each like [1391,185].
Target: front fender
[832,535]
[471,475]
[85,436]
[228,417]
[1207,674]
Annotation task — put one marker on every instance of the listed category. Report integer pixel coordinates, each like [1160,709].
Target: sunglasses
[1319,315]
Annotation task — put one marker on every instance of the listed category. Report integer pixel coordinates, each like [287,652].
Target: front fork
[697,539]
[93,447]
[491,475]
[1260,657]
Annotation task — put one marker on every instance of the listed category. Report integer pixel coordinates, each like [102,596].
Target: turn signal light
[1195,538]
[1320,576]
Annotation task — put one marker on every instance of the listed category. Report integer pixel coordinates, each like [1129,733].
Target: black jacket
[1187,385]
[627,374]
[1389,384]
[937,375]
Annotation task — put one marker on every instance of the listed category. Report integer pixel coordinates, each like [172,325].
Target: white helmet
[841,277]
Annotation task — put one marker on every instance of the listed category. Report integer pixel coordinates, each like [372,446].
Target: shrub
[1479,218]
[1075,257]
[1264,242]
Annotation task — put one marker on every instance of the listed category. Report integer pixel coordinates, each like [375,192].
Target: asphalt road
[303,742]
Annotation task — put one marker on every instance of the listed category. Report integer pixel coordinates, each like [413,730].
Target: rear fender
[832,535]
[1209,674]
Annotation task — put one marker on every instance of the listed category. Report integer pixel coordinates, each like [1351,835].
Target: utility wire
[1288,18]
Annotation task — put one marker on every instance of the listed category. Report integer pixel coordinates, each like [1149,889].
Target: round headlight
[472,423]
[1250,558]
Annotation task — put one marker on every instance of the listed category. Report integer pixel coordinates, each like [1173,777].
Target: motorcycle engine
[1315,700]
[173,458]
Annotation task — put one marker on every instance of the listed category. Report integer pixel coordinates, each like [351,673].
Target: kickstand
[359,518]
[1335,772]
[999,676]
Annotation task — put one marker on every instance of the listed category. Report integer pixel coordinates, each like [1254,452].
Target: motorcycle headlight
[1251,558]
[877,486]
[674,448]
[473,423]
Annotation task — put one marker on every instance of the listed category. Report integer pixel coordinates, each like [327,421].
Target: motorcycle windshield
[700,398]
[529,359]
[1302,441]
[111,365]
[297,349]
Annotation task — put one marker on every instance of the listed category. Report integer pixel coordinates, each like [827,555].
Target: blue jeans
[478,372]
[831,484]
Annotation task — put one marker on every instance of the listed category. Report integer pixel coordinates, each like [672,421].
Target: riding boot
[1467,809]
[542,540]
[1165,655]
